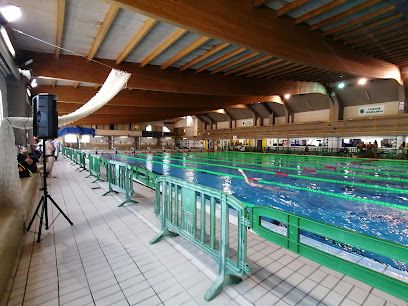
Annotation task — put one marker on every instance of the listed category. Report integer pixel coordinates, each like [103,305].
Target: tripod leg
[41,221]
[46,212]
[35,213]
[60,210]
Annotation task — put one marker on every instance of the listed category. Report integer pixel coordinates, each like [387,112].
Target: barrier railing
[120,179]
[145,176]
[176,207]
[291,241]
[82,160]
[94,167]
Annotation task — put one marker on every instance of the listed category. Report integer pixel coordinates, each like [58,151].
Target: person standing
[57,146]
[49,151]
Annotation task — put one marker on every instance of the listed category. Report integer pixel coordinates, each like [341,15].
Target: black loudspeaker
[45,116]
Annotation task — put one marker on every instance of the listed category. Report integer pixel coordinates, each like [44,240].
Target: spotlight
[33,83]
[10,12]
[287,96]
[362,81]
[341,85]
[7,40]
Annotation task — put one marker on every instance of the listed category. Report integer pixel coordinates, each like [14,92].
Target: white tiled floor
[106,259]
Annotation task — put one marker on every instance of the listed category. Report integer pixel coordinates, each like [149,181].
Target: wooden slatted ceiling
[235,62]
[268,63]
[361,19]
[60,25]
[291,6]
[147,26]
[369,26]
[198,43]
[375,32]
[110,16]
[202,57]
[345,14]
[249,64]
[221,59]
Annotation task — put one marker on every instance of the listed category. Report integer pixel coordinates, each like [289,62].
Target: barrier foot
[109,191]
[221,281]
[97,180]
[127,201]
[162,234]
[82,169]
[88,175]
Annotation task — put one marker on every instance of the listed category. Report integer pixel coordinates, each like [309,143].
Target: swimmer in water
[251,183]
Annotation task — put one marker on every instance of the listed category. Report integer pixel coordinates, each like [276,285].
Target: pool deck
[105,259]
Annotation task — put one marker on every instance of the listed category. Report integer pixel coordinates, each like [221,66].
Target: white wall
[280,120]
[223,125]
[180,124]
[390,108]
[319,115]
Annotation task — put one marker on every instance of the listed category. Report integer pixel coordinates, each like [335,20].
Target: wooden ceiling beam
[202,57]
[235,62]
[267,64]
[176,35]
[153,78]
[76,84]
[60,25]
[368,26]
[147,26]
[213,18]
[372,34]
[291,6]
[221,59]
[345,14]
[110,16]
[320,10]
[361,19]
[258,3]
[387,48]
[145,98]
[198,43]
[249,64]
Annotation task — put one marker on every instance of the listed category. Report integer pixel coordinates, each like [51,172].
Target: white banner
[248,122]
[371,110]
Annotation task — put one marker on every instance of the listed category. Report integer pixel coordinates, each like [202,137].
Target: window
[149,128]
[165,129]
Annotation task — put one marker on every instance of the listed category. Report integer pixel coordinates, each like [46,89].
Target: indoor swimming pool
[367,196]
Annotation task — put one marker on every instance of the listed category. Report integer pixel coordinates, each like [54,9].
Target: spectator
[49,155]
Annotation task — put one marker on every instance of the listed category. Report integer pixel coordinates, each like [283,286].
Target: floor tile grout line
[76,244]
[98,244]
[121,242]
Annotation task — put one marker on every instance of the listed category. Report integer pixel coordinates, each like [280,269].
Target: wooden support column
[231,117]
[272,116]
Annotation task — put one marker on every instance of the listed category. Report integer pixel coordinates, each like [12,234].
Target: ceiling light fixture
[362,81]
[10,11]
[33,83]
[287,96]
[341,85]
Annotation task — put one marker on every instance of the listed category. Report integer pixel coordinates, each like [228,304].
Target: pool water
[367,197]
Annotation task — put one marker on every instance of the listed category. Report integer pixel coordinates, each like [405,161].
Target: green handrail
[292,242]
[179,196]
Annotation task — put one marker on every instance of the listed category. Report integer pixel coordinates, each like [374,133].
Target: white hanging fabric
[115,82]
[10,186]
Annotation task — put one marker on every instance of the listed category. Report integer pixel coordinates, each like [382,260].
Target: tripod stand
[43,204]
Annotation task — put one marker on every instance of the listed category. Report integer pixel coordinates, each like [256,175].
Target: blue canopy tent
[76,130]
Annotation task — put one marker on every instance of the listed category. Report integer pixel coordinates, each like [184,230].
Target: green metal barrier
[176,207]
[145,176]
[82,160]
[120,179]
[94,167]
[292,242]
